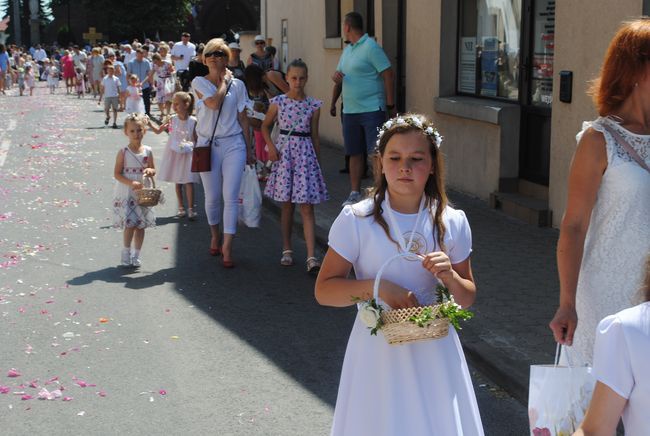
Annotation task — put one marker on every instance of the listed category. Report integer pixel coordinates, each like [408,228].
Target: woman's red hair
[624,65]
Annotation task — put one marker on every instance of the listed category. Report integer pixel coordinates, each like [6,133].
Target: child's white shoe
[135,262]
[126,257]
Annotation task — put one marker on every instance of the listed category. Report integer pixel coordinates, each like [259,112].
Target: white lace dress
[618,239]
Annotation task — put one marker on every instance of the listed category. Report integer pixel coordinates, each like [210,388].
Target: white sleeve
[458,240]
[344,235]
[612,358]
[203,86]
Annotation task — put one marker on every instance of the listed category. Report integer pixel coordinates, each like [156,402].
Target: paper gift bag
[558,398]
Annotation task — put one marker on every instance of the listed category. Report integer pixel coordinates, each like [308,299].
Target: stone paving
[515,271]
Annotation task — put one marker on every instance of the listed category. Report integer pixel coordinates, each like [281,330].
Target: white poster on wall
[467,79]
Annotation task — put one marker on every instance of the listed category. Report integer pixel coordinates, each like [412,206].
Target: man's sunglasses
[216,54]
[259,42]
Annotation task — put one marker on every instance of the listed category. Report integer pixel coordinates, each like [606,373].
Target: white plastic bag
[558,397]
[250,198]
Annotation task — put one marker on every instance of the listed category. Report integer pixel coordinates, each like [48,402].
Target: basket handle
[375,289]
[153,182]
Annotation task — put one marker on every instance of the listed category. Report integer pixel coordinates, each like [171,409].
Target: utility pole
[18,38]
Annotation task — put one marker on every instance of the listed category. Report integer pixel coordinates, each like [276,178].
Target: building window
[332,18]
[489,48]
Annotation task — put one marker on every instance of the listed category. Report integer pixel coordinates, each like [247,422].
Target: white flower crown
[413,121]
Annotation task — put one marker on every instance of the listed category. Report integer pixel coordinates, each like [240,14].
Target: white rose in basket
[369,315]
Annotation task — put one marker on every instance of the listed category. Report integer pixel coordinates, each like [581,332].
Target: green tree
[127,19]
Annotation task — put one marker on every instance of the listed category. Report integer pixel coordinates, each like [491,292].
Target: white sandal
[313,265]
[287,258]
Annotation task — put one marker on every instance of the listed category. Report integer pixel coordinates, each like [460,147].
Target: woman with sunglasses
[222,102]
[260,56]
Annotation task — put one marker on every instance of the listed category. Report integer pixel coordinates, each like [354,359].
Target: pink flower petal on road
[162,392]
[33,384]
[67,398]
[13,373]
[101,393]
[4,389]
[26,397]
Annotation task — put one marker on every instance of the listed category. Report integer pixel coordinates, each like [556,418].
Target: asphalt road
[181,346]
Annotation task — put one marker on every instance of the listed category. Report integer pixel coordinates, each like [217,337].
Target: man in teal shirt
[366,77]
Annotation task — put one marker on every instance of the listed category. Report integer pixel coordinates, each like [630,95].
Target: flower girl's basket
[397,328]
[148,196]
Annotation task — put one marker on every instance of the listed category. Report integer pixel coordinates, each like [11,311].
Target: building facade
[505,80]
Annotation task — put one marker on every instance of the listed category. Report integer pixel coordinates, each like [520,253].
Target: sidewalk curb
[497,366]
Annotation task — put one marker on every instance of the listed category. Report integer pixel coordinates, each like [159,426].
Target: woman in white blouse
[230,145]
[621,357]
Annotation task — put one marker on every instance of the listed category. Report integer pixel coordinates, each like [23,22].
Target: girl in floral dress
[165,87]
[132,164]
[296,176]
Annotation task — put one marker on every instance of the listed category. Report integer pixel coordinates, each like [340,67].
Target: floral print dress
[296,177]
[164,82]
[126,210]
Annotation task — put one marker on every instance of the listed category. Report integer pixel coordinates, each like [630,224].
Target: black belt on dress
[294,133]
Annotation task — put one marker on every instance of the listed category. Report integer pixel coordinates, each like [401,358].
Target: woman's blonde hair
[96,50]
[216,44]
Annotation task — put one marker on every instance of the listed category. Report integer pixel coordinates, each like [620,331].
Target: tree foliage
[126,19]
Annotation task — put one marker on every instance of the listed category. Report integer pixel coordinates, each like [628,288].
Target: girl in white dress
[52,77]
[134,101]
[621,357]
[132,164]
[176,162]
[421,388]
[604,235]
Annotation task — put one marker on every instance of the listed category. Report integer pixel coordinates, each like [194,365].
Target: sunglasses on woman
[260,42]
[216,54]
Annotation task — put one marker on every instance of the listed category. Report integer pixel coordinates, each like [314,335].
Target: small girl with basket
[132,164]
[296,176]
[176,163]
[417,388]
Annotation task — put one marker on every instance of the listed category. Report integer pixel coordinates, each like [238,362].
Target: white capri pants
[221,185]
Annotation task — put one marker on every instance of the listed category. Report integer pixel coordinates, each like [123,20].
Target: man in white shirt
[79,58]
[182,53]
[110,90]
[129,53]
[39,56]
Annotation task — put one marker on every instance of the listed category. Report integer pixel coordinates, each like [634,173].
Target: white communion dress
[416,389]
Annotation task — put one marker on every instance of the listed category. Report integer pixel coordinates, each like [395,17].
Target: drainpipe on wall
[263,18]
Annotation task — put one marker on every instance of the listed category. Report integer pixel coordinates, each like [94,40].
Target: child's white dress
[53,77]
[417,389]
[126,210]
[176,166]
[134,101]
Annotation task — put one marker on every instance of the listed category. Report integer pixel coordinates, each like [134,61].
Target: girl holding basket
[419,388]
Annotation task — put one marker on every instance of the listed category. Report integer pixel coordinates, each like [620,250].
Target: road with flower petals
[181,346]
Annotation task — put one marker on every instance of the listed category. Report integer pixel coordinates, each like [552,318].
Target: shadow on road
[270,307]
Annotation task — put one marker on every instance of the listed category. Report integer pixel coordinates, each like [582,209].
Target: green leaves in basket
[449,309]
[424,318]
